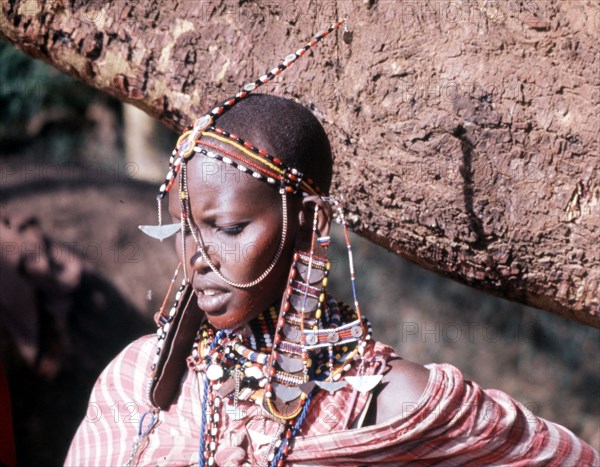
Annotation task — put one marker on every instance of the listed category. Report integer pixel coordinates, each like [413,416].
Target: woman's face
[240,220]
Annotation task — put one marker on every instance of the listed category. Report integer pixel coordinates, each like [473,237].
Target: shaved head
[285,129]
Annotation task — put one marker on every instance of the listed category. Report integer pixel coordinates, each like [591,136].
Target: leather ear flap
[171,365]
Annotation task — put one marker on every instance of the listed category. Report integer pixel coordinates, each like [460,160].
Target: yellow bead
[328,265]
[183,195]
[318,313]
[325,281]
[321,297]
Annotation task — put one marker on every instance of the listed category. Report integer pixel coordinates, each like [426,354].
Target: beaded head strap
[269,167]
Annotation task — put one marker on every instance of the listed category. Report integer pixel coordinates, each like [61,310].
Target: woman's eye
[232,230]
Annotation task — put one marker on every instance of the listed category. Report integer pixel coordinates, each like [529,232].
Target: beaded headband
[257,162]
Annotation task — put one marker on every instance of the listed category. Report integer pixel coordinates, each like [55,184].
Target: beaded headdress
[313,341]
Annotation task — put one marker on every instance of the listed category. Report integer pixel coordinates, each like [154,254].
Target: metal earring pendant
[160,232]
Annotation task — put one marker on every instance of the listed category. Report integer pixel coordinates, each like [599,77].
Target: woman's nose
[198,261]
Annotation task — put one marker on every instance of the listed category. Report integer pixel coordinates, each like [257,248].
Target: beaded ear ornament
[309,344]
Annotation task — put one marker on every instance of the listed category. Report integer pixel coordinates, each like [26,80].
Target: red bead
[261,152]
[277,160]
[280,463]
[232,136]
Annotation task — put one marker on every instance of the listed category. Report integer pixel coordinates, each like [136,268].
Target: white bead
[291,57]
[227,160]
[214,372]
[253,372]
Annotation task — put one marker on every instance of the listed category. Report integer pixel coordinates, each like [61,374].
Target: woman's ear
[325,214]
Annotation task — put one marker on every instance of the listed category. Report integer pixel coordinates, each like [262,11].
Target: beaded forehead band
[257,162]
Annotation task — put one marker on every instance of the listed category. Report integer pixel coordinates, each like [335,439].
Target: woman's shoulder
[403,384]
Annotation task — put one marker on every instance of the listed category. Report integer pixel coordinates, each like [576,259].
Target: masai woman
[255,363]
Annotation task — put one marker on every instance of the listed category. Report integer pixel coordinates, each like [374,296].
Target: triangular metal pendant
[290,364]
[364,383]
[286,393]
[160,232]
[331,386]
[308,387]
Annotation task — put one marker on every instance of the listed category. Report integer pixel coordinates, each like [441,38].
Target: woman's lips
[212,301]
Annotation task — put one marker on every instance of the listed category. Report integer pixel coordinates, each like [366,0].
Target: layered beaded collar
[238,367]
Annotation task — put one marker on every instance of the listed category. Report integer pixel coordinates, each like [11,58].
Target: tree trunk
[465,132]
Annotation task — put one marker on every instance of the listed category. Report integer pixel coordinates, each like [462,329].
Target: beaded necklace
[236,371]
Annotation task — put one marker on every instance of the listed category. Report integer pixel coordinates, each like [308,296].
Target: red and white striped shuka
[455,422]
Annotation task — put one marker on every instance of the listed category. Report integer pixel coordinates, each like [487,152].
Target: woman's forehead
[212,184]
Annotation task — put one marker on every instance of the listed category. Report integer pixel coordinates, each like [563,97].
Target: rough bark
[465,132]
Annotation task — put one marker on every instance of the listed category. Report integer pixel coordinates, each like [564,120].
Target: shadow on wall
[117,279]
